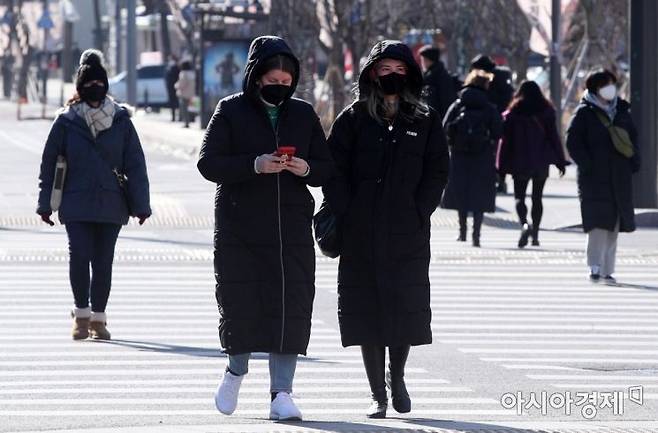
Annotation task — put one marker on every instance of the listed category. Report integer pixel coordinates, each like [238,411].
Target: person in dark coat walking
[392,164]
[95,136]
[500,94]
[473,126]
[530,144]
[602,141]
[264,252]
[171,77]
[440,90]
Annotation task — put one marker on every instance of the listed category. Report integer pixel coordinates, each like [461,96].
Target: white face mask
[608,92]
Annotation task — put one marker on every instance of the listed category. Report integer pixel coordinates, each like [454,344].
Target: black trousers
[520,187]
[91,243]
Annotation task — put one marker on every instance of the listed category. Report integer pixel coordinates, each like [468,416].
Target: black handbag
[327,231]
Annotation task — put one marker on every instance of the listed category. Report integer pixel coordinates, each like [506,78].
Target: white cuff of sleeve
[256,166]
[308,171]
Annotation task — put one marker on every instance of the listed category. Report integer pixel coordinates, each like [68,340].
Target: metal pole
[131,53]
[67,58]
[556,68]
[118,34]
[644,98]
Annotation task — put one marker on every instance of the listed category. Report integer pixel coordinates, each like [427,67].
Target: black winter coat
[472,182]
[439,88]
[605,176]
[264,253]
[389,182]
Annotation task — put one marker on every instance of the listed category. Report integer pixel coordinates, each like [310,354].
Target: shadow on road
[414,425]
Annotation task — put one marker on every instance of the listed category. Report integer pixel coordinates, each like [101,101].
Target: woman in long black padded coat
[392,165]
[264,253]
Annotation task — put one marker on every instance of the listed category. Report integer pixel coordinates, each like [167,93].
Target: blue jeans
[282,369]
[91,243]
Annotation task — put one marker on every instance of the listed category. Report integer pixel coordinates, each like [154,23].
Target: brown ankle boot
[80,317]
[98,328]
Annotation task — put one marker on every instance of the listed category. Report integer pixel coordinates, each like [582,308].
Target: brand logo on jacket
[412,133]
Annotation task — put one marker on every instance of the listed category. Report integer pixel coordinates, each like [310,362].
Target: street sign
[45,22]
[69,12]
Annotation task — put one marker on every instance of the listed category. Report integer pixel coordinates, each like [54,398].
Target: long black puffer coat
[264,254]
[605,184]
[472,182]
[389,182]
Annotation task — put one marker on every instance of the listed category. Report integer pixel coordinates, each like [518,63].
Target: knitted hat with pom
[91,68]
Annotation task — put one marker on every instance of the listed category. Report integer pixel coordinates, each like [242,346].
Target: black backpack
[469,131]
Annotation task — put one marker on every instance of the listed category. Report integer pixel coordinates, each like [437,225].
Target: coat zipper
[278,205]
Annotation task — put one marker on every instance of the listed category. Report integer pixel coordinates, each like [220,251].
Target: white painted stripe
[212,381]
[593,360]
[543,306]
[566,335]
[156,362]
[638,378]
[542,342]
[178,345]
[619,386]
[557,351]
[205,401]
[210,389]
[539,367]
[568,319]
[645,298]
[553,314]
[524,326]
[135,321]
[302,369]
[246,412]
[111,353]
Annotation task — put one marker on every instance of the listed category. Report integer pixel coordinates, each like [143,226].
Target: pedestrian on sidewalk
[392,164]
[439,86]
[530,144]
[264,251]
[602,141]
[171,77]
[100,145]
[185,90]
[500,93]
[473,127]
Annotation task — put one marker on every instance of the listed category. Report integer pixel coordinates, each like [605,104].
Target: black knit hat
[91,68]
[483,62]
[430,53]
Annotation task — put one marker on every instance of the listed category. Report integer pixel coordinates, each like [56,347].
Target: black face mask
[93,93]
[274,93]
[393,83]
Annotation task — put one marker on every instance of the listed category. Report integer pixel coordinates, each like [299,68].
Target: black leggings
[520,186]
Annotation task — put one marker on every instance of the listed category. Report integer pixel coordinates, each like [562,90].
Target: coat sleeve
[550,126]
[577,141]
[636,159]
[338,190]
[216,161]
[495,124]
[436,162]
[134,165]
[319,157]
[505,146]
[53,147]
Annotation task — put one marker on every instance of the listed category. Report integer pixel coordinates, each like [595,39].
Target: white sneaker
[226,396]
[283,408]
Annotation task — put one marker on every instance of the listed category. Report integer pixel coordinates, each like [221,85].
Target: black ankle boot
[462,227]
[374,360]
[395,378]
[535,236]
[525,234]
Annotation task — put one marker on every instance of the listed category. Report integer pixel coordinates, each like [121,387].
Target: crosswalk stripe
[210,389]
[180,371]
[543,327]
[206,401]
[211,381]
[605,342]
[262,413]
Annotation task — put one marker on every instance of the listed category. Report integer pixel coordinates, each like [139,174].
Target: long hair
[529,99]
[479,78]
[410,106]
[73,100]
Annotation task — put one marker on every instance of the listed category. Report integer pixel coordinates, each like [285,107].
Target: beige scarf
[97,119]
